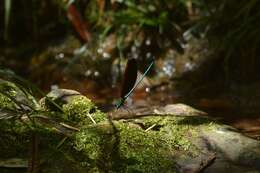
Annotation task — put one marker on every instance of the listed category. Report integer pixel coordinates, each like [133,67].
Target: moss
[71,106]
[6,102]
[10,89]
[127,149]
[106,146]
[81,109]
[12,94]
[14,139]
[176,133]
[131,149]
[180,130]
[145,152]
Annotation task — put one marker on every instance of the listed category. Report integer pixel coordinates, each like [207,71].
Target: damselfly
[129,82]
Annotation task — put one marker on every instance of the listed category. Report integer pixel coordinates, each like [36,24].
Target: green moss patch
[148,144]
[11,90]
[82,110]
[131,149]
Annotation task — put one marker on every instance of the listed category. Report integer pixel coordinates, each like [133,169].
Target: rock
[233,149]
[170,142]
[179,110]
[234,152]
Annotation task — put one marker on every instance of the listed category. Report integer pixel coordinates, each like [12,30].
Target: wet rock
[233,147]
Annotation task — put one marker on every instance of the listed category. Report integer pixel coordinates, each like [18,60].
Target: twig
[91,118]
[149,128]
[69,127]
[33,164]
[61,142]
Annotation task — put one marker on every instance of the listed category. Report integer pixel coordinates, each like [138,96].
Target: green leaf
[7,10]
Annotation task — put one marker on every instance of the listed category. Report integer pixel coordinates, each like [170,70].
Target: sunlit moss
[130,149]
[170,129]
[5,102]
[73,107]
[81,109]
[118,146]
[145,151]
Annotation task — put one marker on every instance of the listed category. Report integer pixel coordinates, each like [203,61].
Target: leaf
[14,163]
[7,9]
[101,6]
[8,113]
[28,88]
[78,23]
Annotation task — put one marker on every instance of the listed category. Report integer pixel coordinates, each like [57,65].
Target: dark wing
[130,76]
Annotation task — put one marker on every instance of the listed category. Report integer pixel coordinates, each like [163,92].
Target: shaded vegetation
[94,146]
[233,32]
[73,134]
[150,28]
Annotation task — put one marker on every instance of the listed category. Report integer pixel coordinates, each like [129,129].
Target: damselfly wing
[129,81]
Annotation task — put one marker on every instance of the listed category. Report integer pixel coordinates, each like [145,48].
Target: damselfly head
[120,103]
